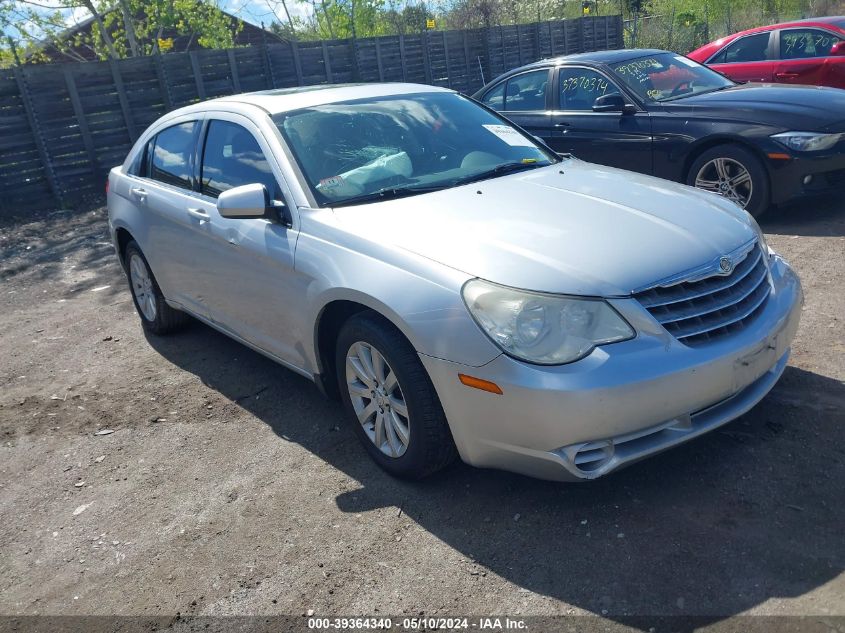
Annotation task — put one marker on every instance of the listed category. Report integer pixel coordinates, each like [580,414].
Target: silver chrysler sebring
[464,290]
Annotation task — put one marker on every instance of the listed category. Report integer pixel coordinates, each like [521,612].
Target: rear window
[171,155]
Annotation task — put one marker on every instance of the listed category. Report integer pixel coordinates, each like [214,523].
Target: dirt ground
[230,486]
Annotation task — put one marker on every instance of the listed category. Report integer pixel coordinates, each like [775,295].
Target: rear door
[804,58]
[609,138]
[750,58]
[524,99]
[162,192]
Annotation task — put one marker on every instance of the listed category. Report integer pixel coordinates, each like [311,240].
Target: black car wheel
[735,173]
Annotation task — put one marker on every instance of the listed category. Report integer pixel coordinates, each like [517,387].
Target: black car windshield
[383,147]
[667,76]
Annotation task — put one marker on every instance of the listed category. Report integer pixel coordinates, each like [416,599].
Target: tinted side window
[754,48]
[232,158]
[139,163]
[171,156]
[580,87]
[527,91]
[495,98]
[806,43]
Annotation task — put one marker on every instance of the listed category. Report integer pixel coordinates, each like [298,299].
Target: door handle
[786,75]
[139,193]
[199,214]
[564,124]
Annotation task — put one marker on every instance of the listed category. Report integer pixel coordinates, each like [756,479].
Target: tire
[156,316]
[429,446]
[734,158]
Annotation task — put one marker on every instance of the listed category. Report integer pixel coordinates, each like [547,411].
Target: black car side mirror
[613,103]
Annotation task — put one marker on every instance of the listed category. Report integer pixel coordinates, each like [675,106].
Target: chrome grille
[701,311]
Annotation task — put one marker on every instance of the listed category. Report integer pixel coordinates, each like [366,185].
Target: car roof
[287,99]
[595,57]
[837,22]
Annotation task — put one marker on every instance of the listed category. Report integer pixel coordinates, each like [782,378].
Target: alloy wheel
[142,286]
[728,178]
[377,399]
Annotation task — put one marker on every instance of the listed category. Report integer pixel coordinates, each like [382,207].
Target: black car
[661,113]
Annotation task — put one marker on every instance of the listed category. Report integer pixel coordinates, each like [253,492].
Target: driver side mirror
[838,49]
[249,202]
[613,103]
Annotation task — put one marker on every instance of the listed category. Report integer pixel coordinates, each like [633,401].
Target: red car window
[751,48]
[806,43]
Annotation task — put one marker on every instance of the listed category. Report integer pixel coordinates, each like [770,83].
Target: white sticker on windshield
[686,61]
[509,135]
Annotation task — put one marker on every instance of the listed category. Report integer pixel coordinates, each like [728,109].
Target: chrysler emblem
[725,265]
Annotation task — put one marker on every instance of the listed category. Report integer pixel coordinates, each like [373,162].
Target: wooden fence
[63,126]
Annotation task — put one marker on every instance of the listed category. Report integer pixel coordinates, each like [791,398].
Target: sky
[254,11]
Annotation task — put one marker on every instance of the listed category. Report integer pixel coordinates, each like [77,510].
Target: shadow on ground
[821,216]
[713,528]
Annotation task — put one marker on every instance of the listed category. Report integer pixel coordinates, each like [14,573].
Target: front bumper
[624,401]
[825,169]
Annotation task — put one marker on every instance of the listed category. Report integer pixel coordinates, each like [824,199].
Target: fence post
[162,82]
[84,131]
[197,71]
[32,118]
[446,55]
[426,57]
[327,64]
[466,60]
[124,102]
[378,59]
[297,63]
[402,57]
[356,67]
[233,70]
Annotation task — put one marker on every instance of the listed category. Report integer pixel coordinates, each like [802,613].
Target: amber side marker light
[478,383]
[779,156]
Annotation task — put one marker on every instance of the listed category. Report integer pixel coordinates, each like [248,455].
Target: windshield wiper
[695,94]
[498,170]
[389,193]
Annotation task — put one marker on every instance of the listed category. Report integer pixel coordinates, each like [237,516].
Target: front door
[523,99]
[608,138]
[248,278]
[747,59]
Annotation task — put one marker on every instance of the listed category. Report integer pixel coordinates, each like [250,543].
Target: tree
[121,28]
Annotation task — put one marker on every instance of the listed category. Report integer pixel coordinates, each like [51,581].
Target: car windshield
[383,147]
[667,76]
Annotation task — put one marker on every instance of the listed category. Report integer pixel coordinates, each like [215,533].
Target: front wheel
[390,400]
[735,173]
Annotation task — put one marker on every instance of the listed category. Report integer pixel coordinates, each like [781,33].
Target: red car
[808,52]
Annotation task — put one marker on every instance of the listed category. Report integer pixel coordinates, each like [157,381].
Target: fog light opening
[593,456]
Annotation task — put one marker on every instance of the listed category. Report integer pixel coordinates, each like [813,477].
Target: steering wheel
[684,86]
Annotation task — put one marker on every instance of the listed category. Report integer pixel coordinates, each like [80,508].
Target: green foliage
[124,28]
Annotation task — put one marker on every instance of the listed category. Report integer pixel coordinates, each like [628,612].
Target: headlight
[541,328]
[807,141]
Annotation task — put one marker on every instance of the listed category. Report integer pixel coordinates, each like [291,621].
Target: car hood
[792,107]
[571,228]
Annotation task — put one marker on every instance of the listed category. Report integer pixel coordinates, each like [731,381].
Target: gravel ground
[227,485]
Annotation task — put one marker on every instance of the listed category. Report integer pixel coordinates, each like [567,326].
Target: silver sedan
[463,290]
